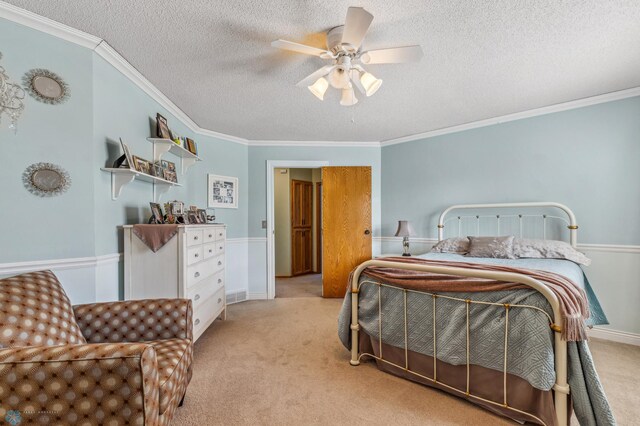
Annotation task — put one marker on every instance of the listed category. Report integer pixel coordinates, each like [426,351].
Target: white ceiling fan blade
[392,55]
[297,47]
[311,78]
[356,26]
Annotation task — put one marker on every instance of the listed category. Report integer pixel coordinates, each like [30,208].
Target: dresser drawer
[219,247]
[220,234]
[194,237]
[201,270]
[204,289]
[194,255]
[208,311]
[209,234]
[219,262]
[210,250]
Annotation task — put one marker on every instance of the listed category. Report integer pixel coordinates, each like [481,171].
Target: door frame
[272,165]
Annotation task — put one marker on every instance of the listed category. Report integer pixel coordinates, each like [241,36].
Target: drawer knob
[196,255]
[220,247]
[196,297]
[196,275]
[197,321]
[220,234]
[219,280]
[195,237]
[210,251]
[219,262]
[219,299]
[210,235]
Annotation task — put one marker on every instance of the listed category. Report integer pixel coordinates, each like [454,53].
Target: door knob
[367,232]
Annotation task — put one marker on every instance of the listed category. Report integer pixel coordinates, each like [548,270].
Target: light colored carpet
[301,286]
[279,362]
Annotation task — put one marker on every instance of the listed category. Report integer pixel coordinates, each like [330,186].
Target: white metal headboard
[570,220]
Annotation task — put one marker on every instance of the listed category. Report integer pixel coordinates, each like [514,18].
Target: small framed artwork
[193,217]
[162,128]
[158,171]
[222,191]
[170,176]
[142,165]
[169,166]
[156,213]
[127,154]
[202,216]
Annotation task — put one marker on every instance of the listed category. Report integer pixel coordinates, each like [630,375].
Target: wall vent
[238,296]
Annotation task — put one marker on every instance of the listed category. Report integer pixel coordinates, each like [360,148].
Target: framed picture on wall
[222,192]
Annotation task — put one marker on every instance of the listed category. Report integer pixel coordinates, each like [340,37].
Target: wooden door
[318,201]
[346,225]
[301,223]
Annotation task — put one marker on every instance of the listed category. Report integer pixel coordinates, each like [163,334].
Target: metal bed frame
[561,386]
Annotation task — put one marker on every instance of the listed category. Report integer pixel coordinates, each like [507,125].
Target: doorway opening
[297,232]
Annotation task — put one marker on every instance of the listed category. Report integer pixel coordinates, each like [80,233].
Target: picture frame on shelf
[191,146]
[193,217]
[158,171]
[170,176]
[128,158]
[142,165]
[162,128]
[156,213]
[222,191]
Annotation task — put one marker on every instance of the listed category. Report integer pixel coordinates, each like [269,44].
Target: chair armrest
[135,320]
[66,384]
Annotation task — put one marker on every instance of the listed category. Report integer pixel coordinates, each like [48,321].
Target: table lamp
[405,230]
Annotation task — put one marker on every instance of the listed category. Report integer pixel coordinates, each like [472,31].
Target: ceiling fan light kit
[344,51]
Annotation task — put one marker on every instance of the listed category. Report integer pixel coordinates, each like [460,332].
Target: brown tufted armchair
[101,363]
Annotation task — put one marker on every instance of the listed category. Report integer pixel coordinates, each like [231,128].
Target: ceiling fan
[343,49]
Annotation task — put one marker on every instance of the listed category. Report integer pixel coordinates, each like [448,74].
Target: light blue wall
[340,156]
[33,227]
[586,158]
[123,110]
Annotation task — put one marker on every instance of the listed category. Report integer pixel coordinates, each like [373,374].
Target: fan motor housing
[334,42]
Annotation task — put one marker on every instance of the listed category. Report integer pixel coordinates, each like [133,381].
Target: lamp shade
[319,88]
[404,229]
[348,97]
[370,83]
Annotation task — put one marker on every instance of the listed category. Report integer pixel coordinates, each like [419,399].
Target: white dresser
[190,265]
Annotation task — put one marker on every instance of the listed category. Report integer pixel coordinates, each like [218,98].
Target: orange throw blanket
[574,307]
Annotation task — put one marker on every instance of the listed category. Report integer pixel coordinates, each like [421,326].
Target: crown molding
[334,144]
[104,50]
[46,25]
[564,106]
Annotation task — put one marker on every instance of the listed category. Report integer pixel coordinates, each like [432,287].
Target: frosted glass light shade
[370,83]
[339,78]
[319,88]
[348,97]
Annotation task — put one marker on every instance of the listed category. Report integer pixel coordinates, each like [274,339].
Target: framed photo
[142,165]
[222,192]
[158,171]
[202,216]
[162,128]
[191,146]
[127,155]
[156,212]
[193,217]
[169,166]
[170,176]
[177,207]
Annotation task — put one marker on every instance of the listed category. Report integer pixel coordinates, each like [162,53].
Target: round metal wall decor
[46,86]
[46,179]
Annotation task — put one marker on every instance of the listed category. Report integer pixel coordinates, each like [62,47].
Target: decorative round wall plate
[46,179]
[46,86]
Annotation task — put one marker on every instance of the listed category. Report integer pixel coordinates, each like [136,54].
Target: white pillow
[458,245]
[548,249]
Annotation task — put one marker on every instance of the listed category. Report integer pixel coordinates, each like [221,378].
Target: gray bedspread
[530,345]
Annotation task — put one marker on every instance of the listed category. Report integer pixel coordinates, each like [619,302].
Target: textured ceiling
[482,59]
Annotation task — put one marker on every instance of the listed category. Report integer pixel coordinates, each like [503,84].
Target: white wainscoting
[257,263]
[85,279]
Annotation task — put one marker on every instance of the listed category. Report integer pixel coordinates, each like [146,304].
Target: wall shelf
[122,176]
[162,146]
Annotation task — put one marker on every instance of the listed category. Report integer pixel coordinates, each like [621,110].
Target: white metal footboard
[561,387]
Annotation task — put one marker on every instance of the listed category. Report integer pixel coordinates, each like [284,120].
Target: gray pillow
[548,249]
[495,247]
[458,245]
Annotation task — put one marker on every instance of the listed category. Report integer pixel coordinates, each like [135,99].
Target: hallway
[301,286]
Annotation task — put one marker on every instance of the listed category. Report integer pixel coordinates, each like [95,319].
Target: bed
[497,332]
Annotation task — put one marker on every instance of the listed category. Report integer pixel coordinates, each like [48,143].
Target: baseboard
[615,336]
[258,296]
